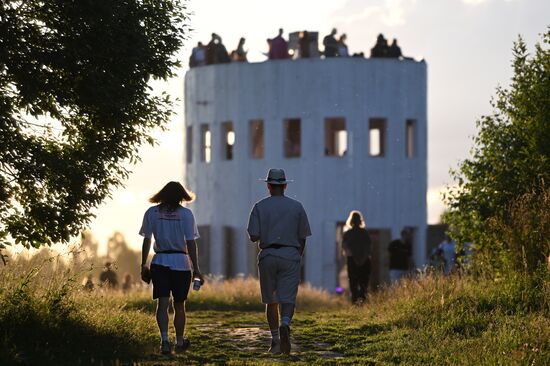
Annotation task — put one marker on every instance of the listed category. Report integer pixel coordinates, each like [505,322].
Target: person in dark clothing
[108,277]
[400,256]
[221,52]
[357,248]
[304,44]
[394,50]
[381,48]
[211,47]
[331,44]
[278,47]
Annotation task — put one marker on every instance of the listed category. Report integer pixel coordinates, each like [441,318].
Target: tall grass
[437,320]
[523,236]
[47,318]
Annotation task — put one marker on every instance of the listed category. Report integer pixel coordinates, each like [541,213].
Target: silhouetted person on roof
[394,50]
[304,44]
[278,47]
[221,52]
[342,46]
[211,47]
[239,54]
[198,56]
[331,44]
[381,48]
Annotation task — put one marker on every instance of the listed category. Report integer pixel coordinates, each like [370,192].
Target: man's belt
[277,246]
[171,252]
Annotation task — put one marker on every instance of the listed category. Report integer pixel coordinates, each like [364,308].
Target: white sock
[285,320]
[164,336]
[275,334]
[179,340]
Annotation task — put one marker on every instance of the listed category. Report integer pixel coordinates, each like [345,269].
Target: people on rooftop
[302,44]
[331,44]
[342,46]
[198,56]
[239,54]
[381,48]
[216,53]
[278,47]
[394,50]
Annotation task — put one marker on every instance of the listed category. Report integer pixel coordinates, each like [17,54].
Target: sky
[466,44]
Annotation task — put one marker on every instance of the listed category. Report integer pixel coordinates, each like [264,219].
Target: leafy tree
[75,105]
[509,166]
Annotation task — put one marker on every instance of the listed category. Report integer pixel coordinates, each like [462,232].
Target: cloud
[474,2]
[391,13]
[478,2]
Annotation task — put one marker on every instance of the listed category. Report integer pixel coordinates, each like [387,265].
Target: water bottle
[196,284]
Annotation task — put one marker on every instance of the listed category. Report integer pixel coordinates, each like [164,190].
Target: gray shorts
[279,279]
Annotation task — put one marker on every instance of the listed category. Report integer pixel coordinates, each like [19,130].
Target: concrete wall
[389,190]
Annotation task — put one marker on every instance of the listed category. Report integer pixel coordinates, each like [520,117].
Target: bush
[524,235]
[499,203]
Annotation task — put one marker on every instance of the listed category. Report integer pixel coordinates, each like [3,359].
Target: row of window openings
[336,139]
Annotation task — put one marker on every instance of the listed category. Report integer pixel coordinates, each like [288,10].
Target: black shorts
[166,280]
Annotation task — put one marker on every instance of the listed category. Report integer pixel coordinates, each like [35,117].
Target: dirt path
[244,343]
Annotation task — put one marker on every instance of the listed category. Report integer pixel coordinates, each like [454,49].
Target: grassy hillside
[47,319]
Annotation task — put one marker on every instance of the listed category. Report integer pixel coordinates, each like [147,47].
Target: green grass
[46,320]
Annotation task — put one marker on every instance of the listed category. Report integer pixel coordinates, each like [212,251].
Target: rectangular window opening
[257,139]
[206,143]
[189,144]
[377,136]
[228,140]
[292,138]
[336,137]
[410,138]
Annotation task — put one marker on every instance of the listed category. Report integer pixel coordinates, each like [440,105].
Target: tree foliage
[510,163]
[75,105]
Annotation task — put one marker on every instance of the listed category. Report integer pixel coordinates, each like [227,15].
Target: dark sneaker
[165,348]
[275,347]
[284,333]
[179,348]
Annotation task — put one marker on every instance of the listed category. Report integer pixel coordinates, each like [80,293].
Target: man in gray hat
[280,226]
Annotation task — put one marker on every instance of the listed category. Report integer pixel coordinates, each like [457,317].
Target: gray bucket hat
[276,176]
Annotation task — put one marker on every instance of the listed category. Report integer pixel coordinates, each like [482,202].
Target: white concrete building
[350,132]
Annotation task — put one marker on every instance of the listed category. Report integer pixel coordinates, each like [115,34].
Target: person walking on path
[280,227]
[175,261]
[357,248]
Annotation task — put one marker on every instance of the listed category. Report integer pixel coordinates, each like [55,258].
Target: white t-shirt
[171,230]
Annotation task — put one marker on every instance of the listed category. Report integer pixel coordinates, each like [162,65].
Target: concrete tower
[350,132]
